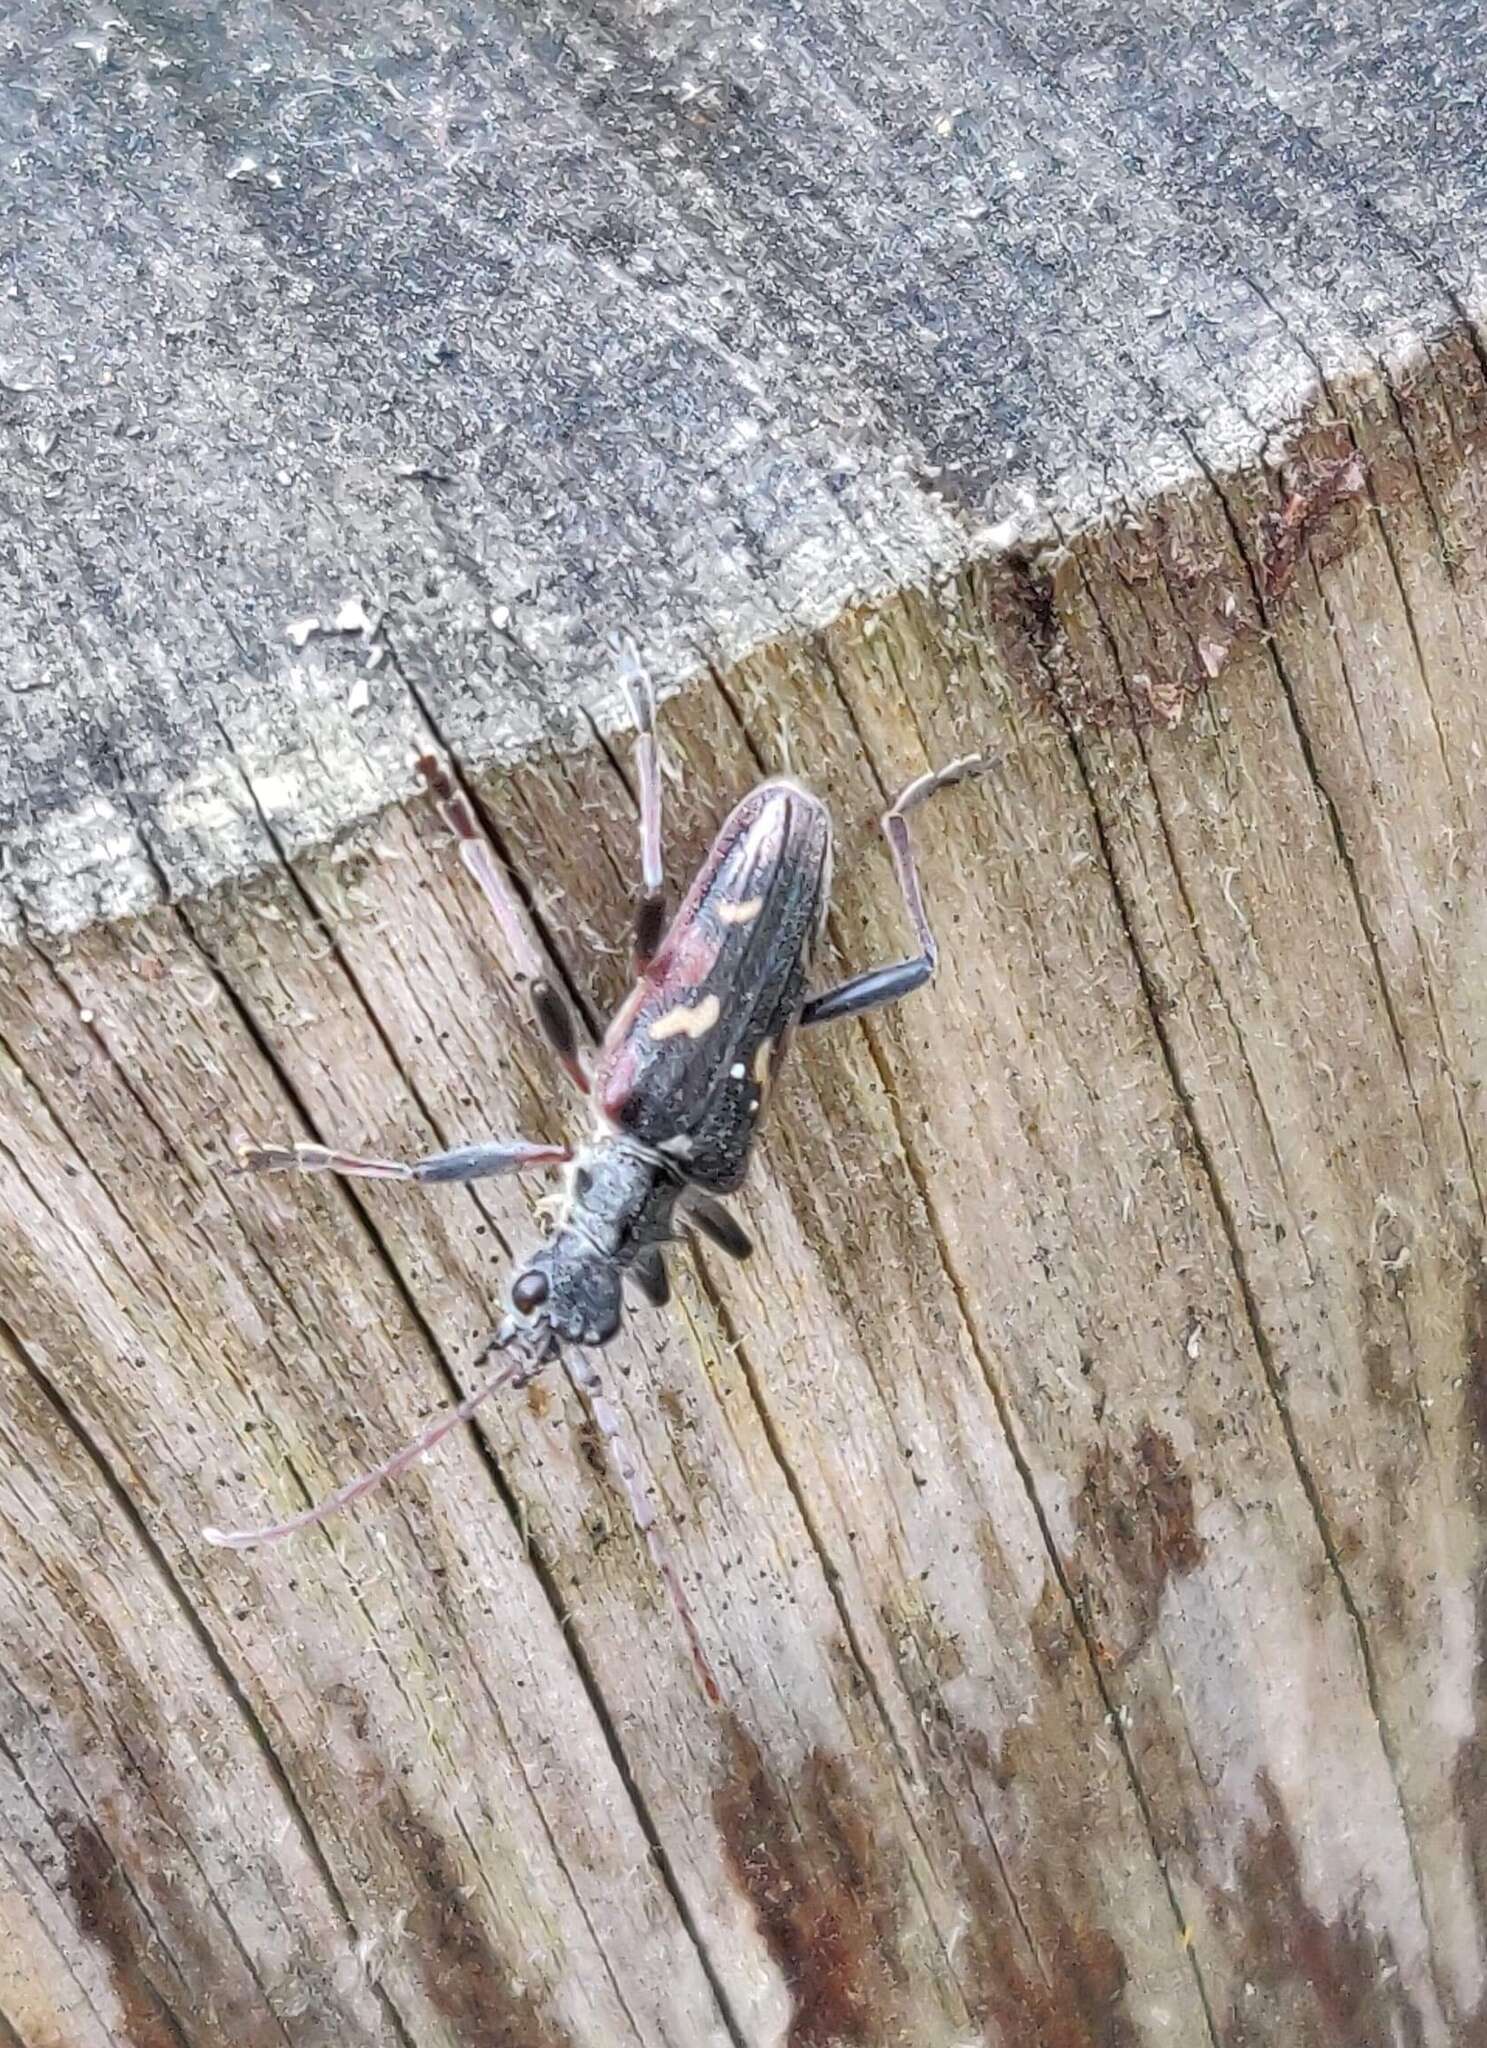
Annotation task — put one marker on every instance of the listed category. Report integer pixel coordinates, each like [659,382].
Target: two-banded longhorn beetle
[677,1089]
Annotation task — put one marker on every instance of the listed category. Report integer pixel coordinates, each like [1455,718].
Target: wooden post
[1081,1489]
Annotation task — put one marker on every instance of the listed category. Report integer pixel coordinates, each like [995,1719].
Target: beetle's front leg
[881,985]
[549,1005]
[650,910]
[464,1163]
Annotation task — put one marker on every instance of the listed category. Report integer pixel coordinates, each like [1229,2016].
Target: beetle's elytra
[677,1089]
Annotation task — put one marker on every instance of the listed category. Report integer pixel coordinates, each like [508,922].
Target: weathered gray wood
[1081,1490]
[497,329]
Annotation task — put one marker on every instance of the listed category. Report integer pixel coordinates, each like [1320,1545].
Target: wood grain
[1081,1490]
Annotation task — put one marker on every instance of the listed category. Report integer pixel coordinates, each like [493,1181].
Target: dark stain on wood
[1469,1770]
[468,1981]
[1389,1371]
[825,1897]
[466,1978]
[109,1916]
[823,1893]
[1070,1995]
[1021,594]
[1474,1380]
[1310,1982]
[1135,1512]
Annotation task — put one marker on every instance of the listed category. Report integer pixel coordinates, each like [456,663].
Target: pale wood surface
[1081,1491]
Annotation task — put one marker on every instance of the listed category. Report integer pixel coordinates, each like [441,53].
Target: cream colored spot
[761,1061]
[694,1022]
[741,913]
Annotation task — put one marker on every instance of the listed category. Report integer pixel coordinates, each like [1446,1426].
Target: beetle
[677,1089]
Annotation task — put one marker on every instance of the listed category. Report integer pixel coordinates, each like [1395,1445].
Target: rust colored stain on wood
[1355,1997]
[467,1980]
[1324,474]
[822,1892]
[1071,1994]
[825,1897]
[1135,1512]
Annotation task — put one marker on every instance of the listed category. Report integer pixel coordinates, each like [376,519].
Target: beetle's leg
[465,1162]
[590,1388]
[650,910]
[716,1222]
[649,1273]
[886,984]
[549,1005]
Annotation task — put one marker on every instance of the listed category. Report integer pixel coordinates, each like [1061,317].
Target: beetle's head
[567,1293]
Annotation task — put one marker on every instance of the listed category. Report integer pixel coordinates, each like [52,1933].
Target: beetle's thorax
[619,1199]
[618,1204]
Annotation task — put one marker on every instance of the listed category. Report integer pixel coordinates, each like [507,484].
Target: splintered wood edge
[325,744]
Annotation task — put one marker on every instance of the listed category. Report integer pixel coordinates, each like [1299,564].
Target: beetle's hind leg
[549,1005]
[886,984]
[464,1163]
[650,909]
[648,1271]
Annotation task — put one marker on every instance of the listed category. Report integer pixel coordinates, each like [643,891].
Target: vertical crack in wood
[1002,1403]
[541,1569]
[1249,1300]
[195,1622]
[1422,669]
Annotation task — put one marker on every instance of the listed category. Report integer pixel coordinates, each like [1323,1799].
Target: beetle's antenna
[590,1388]
[438,1429]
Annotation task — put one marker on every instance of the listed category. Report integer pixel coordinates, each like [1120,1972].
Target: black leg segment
[869,991]
[651,1277]
[716,1222]
[881,985]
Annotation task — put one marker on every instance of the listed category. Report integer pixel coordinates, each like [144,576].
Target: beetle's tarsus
[915,792]
[880,985]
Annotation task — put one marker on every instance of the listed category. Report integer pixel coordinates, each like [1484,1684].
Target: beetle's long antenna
[438,1429]
[590,1388]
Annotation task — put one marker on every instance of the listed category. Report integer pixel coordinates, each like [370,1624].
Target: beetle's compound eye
[529,1291]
